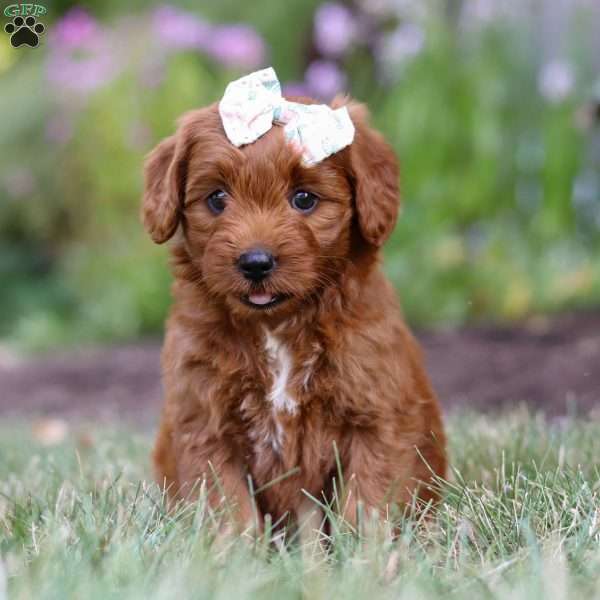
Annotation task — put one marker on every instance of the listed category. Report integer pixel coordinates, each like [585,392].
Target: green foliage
[519,519]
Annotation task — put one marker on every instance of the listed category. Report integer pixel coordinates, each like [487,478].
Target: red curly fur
[263,393]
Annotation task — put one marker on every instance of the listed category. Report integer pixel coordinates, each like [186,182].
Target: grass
[520,519]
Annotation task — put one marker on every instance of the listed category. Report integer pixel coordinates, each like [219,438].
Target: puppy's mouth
[263,300]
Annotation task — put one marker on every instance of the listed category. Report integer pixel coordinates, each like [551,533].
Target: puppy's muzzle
[256,264]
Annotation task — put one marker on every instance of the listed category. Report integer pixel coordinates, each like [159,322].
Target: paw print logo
[24,31]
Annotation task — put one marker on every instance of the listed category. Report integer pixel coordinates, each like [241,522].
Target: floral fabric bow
[253,103]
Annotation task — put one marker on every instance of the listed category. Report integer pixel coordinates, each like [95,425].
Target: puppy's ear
[163,184]
[374,176]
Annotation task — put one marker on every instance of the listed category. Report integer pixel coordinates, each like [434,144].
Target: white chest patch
[280,363]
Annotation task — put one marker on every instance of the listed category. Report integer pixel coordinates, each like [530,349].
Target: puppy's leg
[163,457]
[377,473]
[309,518]
[231,487]
[432,462]
[214,463]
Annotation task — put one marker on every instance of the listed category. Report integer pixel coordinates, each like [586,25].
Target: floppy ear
[163,185]
[374,173]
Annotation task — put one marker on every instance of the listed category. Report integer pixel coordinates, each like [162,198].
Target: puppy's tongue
[260,298]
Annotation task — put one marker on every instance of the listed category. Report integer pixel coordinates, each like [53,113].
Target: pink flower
[80,54]
[76,28]
[83,71]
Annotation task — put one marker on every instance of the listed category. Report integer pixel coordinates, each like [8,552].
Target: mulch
[549,365]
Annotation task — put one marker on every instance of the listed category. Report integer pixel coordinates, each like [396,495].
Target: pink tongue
[260,298]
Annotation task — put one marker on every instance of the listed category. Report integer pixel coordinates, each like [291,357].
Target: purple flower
[399,46]
[324,79]
[480,12]
[178,29]
[477,14]
[80,57]
[403,10]
[74,30]
[295,88]
[556,81]
[335,29]
[232,45]
[236,46]
[84,71]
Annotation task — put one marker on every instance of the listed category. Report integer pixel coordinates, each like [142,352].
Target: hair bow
[253,103]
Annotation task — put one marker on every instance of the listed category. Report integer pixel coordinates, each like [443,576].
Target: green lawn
[520,519]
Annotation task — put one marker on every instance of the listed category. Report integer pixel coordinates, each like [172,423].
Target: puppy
[285,349]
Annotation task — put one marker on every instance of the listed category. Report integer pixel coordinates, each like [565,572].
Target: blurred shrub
[499,162]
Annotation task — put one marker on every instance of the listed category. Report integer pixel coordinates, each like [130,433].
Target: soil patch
[549,365]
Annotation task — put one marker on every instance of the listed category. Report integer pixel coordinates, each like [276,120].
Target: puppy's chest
[276,412]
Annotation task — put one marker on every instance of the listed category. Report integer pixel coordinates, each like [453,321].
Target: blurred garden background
[492,106]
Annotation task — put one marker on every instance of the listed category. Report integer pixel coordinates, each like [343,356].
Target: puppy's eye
[217,201]
[304,201]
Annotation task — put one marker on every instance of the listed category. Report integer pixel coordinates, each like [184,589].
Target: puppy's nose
[256,264]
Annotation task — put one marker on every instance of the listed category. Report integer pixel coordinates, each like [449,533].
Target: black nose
[256,264]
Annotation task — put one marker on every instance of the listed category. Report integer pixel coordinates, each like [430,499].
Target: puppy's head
[265,232]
